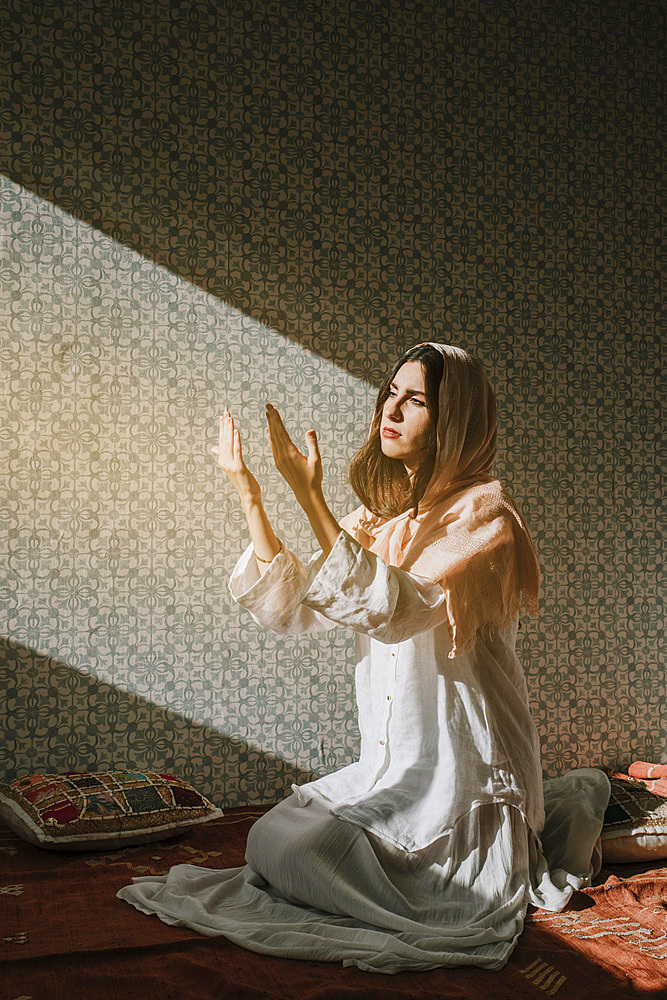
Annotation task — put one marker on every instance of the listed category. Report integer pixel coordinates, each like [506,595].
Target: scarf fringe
[464,645]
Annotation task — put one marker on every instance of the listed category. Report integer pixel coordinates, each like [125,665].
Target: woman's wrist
[252,501]
[266,561]
[324,524]
[312,501]
[264,540]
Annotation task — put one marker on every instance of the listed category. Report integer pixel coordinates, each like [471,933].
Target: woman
[426,852]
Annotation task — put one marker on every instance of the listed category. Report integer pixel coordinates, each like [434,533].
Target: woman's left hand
[302,472]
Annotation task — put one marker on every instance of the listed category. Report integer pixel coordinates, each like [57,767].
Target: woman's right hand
[230,460]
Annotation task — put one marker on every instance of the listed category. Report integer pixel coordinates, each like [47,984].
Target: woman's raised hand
[230,460]
[302,472]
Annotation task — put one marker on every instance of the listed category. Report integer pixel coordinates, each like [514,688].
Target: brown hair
[380,482]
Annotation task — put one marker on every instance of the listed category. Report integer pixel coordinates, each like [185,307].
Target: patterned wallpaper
[210,204]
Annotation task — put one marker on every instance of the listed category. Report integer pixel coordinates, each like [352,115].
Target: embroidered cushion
[85,810]
[635,823]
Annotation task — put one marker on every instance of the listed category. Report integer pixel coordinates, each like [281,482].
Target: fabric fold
[318,888]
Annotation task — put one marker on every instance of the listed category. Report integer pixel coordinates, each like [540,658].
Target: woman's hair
[380,482]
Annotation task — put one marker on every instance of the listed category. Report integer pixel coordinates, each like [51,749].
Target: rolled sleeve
[273,598]
[354,587]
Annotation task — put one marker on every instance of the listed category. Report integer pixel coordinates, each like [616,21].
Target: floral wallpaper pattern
[211,204]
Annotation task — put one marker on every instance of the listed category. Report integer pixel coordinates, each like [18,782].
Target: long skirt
[317,887]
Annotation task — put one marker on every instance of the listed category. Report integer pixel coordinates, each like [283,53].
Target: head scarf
[468,534]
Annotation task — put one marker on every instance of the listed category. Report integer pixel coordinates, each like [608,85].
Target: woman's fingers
[279,437]
[272,430]
[274,415]
[218,449]
[313,446]
[285,453]
[223,443]
[227,449]
[230,459]
[221,437]
[238,452]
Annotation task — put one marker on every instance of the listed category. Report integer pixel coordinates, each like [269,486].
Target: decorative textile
[644,769]
[654,776]
[635,823]
[80,810]
[468,534]
[59,939]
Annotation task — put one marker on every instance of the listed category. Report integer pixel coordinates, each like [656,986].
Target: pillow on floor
[84,810]
[635,823]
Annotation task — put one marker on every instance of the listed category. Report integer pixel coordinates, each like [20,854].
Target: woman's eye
[419,402]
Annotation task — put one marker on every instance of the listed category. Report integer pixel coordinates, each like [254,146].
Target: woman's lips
[389,434]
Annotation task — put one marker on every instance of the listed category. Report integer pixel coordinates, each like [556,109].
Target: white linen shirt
[438,735]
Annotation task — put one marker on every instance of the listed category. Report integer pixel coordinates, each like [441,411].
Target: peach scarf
[468,535]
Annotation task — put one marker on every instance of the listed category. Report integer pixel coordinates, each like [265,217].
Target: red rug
[63,934]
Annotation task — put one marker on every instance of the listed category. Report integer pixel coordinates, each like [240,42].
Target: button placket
[388,695]
[393,680]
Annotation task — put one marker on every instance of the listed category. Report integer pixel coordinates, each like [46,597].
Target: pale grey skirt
[316,887]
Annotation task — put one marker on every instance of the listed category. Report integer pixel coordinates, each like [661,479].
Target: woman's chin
[390,448]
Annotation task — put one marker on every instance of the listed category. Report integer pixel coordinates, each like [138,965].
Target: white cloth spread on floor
[426,852]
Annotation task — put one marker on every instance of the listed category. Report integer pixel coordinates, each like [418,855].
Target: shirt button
[393,654]
[388,697]
[381,743]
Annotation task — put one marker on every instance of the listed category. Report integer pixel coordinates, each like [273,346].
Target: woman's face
[406,422]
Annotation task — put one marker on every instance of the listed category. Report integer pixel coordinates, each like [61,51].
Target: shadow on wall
[356,177]
[260,154]
[76,722]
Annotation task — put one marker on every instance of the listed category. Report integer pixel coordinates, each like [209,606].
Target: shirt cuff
[324,585]
[246,583]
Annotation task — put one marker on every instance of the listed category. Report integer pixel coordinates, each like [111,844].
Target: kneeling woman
[428,850]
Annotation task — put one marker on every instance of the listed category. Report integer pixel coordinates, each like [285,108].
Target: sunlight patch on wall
[121,530]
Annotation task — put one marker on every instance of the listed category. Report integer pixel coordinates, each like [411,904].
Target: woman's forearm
[324,524]
[264,540]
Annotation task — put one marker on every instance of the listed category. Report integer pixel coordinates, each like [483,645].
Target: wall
[227,204]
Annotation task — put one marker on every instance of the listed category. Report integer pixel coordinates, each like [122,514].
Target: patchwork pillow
[635,823]
[85,810]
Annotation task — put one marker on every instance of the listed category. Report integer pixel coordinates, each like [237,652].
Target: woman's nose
[393,410]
